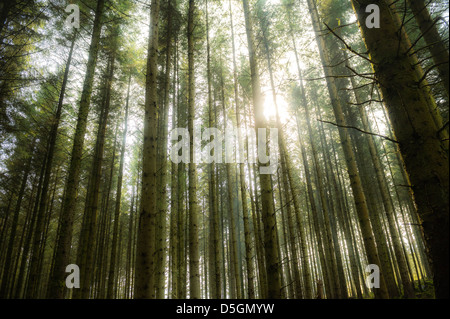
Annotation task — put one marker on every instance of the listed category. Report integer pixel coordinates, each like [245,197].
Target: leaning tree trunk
[430,33]
[425,154]
[86,245]
[7,268]
[37,240]
[408,288]
[63,248]
[355,180]
[214,248]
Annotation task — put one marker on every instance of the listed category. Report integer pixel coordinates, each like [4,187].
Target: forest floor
[425,290]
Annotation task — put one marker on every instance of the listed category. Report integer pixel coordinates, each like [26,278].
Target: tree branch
[362,131]
[347,46]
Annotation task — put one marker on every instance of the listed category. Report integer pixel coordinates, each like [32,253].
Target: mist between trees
[121,160]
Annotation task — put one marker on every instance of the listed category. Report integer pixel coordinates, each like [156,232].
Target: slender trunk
[268,213]
[248,246]
[145,263]
[63,248]
[181,212]
[214,249]
[112,264]
[260,266]
[174,235]
[431,35]
[358,194]
[86,244]
[340,208]
[425,155]
[37,240]
[6,278]
[236,270]
[163,117]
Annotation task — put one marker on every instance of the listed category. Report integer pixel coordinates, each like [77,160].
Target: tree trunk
[358,194]
[63,248]
[112,265]
[247,236]
[145,263]
[194,274]
[431,35]
[6,278]
[85,253]
[268,213]
[425,155]
[387,201]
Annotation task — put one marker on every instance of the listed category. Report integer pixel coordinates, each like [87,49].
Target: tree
[426,160]
[62,256]
[194,274]
[145,267]
[268,215]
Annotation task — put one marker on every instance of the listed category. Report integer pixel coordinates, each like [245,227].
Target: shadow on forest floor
[424,289]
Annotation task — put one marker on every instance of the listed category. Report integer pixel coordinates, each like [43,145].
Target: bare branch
[363,75]
[362,131]
[428,71]
[347,46]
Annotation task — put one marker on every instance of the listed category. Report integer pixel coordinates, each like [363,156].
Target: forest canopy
[224,149]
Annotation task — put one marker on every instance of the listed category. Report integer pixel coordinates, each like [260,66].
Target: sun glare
[270,109]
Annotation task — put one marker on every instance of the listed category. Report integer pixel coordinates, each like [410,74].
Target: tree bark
[268,213]
[145,263]
[425,155]
[358,194]
[194,274]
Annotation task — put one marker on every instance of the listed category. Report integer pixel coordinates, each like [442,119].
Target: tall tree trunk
[214,249]
[434,41]
[112,264]
[163,118]
[247,235]
[37,240]
[285,166]
[104,240]
[268,213]
[340,208]
[235,270]
[63,248]
[328,242]
[358,194]
[260,266]
[181,211]
[86,245]
[145,263]
[6,278]
[425,155]
[408,288]
[194,274]
[174,221]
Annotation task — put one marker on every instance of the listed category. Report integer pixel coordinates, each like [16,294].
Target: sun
[269,108]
